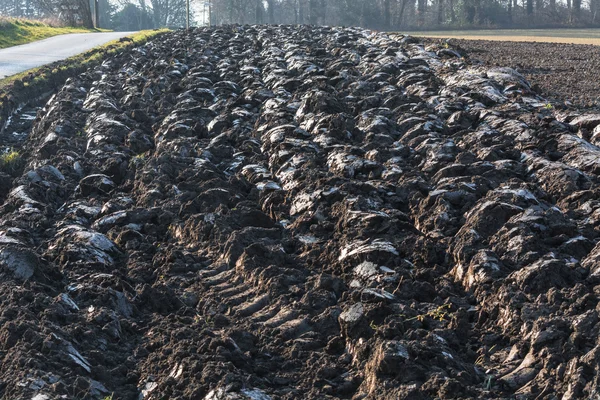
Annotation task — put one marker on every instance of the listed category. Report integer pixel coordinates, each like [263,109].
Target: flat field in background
[577,36]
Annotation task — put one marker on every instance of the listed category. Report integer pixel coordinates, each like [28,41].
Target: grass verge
[11,162]
[28,85]
[14,31]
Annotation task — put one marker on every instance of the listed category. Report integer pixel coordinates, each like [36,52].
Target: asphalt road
[21,58]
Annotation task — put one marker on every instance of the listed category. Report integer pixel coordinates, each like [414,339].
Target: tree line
[123,15]
[374,14]
[411,14]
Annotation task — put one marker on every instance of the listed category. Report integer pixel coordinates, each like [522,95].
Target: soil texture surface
[562,72]
[299,213]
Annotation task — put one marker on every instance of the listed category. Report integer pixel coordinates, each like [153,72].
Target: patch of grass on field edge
[11,162]
[16,31]
[26,86]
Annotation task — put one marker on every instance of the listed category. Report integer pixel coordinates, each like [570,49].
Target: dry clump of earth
[299,212]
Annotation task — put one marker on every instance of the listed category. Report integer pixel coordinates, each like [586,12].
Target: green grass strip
[20,88]
[14,32]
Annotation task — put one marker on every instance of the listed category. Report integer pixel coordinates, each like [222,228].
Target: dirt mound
[299,212]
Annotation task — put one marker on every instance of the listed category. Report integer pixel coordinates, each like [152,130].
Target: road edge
[31,85]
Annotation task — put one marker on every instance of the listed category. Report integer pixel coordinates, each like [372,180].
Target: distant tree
[259,12]
[107,11]
[169,13]
[162,13]
[131,18]
[576,10]
[593,8]
[529,7]
[271,11]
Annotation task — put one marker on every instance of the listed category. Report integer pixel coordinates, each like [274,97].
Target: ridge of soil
[277,212]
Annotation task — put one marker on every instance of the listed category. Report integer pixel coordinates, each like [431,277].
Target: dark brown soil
[261,213]
[561,72]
